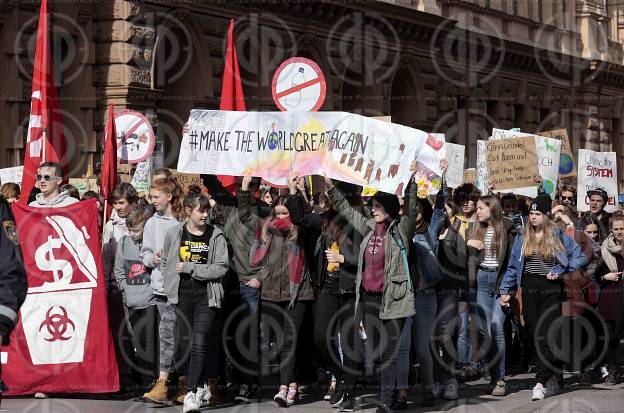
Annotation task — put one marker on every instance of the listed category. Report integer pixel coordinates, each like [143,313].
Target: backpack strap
[399,241]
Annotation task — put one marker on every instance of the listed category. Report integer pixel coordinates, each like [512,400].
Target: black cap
[600,192]
[541,203]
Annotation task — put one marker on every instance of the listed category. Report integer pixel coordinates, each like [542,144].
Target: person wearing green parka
[383,286]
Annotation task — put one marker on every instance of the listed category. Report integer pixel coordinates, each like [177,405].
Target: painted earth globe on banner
[566,164]
[549,187]
[273,140]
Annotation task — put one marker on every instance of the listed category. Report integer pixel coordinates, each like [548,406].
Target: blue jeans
[492,321]
[251,297]
[464,347]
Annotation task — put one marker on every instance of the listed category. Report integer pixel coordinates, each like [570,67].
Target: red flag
[62,342]
[232,96]
[109,163]
[45,115]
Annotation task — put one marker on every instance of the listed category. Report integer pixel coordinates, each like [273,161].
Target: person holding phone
[610,303]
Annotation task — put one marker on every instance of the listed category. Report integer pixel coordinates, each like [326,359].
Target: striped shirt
[490,259]
[535,264]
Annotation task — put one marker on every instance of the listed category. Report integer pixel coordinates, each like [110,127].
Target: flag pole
[43,139]
[103,223]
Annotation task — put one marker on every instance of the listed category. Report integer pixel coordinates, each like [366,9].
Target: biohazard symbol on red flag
[62,342]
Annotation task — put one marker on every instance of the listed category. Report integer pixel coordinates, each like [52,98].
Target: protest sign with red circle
[135,137]
[298,85]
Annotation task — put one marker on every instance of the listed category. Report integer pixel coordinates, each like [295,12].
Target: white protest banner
[12,175]
[343,146]
[597,170]
[141,180]
[548,158]
[428,173]
[482,169]
[455,156]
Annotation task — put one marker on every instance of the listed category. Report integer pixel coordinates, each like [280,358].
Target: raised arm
[217,191]
[355,218]
[408,220]
[248,219]
[294,204]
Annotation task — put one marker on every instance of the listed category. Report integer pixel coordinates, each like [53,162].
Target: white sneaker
[191,403]
[291,396]
[205,395]
[604,372]
[450,389]
[539,393]
[281,398]
[437,389]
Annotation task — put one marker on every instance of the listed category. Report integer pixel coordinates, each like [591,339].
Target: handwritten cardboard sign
[512,163]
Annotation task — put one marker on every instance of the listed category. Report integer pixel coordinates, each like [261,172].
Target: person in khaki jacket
[383,285]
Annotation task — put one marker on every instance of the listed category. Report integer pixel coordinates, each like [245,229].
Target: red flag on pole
[109,161]
[46,140]
[62,342]
[232,96]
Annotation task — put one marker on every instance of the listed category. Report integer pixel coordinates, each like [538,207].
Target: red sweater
[374,259]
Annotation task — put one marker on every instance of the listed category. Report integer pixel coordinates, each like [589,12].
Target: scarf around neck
[609,249]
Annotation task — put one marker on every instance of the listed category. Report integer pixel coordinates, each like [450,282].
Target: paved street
[573,399]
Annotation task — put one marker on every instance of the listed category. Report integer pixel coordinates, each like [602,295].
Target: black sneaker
[399,404]
[245,393]
[337,399]
[348,403]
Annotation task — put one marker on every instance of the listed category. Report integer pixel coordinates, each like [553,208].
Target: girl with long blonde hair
[538,261]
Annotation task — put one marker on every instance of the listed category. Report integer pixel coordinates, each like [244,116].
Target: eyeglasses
[46,178]
[564,198]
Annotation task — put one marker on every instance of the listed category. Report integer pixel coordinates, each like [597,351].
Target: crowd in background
[213,294]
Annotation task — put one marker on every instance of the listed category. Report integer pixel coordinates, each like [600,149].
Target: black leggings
[333,309]
[542,299]
[283,324]
[205,322]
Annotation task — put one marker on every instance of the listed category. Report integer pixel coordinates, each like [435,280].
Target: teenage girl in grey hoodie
[166,195]
[194,262]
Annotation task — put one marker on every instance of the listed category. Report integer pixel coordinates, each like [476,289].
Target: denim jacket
[425,248]
[569,261]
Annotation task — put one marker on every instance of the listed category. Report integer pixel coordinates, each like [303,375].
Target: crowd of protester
[214,294]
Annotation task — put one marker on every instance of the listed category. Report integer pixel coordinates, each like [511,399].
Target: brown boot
[158,394]
[214,392]
[179,399]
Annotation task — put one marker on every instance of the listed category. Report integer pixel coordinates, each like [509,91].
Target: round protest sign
[298,85]
[135,137]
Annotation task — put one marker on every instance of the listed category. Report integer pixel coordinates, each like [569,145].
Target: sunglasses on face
[567,198]
[46,178]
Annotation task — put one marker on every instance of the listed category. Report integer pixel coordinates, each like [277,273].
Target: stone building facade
[458,67]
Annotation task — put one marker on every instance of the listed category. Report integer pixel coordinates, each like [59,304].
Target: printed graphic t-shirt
[194,248]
